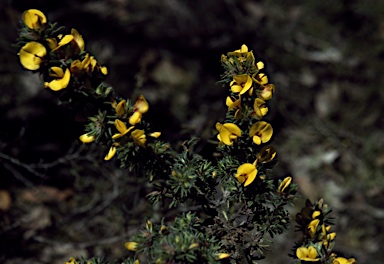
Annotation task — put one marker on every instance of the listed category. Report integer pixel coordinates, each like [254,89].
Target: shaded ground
[58,199]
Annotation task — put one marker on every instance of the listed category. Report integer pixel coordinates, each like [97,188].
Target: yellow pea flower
[312,227]
[120,108]
[260,108]
[315,214]
[267,92]
[141,106]
[34,19]
[241,83]
[135,118]
[340,260]
[261,132]
[284,184]
[31,55]
[155,134]
[78,40]
[122,128]
[243,53]
[260,65]
[61,80]
[138,137]
[87,138]
[64,41]
[307,254]
[228,132]
[111,153]
[266,154]
[71,261]
[246,173]
[260,78]
[132,246]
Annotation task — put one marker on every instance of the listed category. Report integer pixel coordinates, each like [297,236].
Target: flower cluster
[61,58]
[237,204]
[69,71]
[318,240]
[249,92]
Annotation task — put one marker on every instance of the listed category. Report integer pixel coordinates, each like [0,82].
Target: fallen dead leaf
[5,200]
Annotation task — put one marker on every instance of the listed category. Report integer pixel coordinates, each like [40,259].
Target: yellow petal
[34,19]
[247,172]
[135,118]
[228,132]
[111,153]
[60,83]
[120,126]
[260,65]
[87,138]
[138,137]
[120,108]
[78,39]
[52,43]
[284,184]
[131,246]
[31,55]
[155,134]
[141,105]
[56,72]
[64,41]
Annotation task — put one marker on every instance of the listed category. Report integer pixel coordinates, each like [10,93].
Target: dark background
[59,199]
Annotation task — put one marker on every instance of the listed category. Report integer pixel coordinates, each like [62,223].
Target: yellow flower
[64,41]
[260,65]
[141,107]
[155,134]
[307,254]
[120,108]
[136,261]
[87,138]
[241,83]
[242,53]
[111,153]
[260,108]
[122,128]
[71,261]
[312,227]
[138,137]
[78,40]
[131,246]
[315,214]
[266,154]
[267,92]
[223,255]
[61,80]
[260,78]
[34,19]
[135,118]
[246,173]
[31,55]
[284,184]
[236,104]
[340,260]
[228,132]
[75,40]
[89,64]
[261,132]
